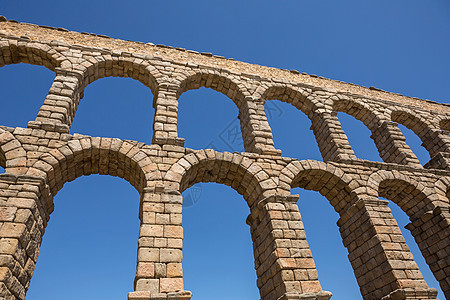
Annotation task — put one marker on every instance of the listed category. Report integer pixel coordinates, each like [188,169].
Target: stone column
[331,139]
[159,273]
[166,116]
[432,234]
[25,206]
[436,141]
[256,131]
[61,103]
[391,145]
[383,265]
[283,261]
[441,151]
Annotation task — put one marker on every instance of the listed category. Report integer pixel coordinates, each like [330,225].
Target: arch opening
[204,128]
[21,105]
[296,97]
[116,107]
[406,195]
[89,263]
[122,67]
[219,83]
[291,130]
[415,143]
[86,156]
[233,170]
[326,245]
[333,184]
[402,220]
[410,200]
[229,169]
[414,127]
[359,136]
[214,217]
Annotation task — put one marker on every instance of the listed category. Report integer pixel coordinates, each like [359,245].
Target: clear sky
[89,249]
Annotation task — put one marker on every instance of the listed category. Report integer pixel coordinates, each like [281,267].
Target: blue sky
[89,249]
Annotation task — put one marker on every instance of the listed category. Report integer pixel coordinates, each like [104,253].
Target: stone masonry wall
[40,159]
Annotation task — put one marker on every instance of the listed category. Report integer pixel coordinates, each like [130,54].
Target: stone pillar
[25,206]
[432,234]
[331,139]
[283,261]
[436,141]
[166,114]
[391,145]
[61,103]
[383,265]
[159,273]
[439,150]
[256,131]
[439,161]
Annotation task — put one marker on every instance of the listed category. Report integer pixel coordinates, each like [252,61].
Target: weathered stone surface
[40,159]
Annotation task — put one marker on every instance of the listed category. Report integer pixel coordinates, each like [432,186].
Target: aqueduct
[40,159]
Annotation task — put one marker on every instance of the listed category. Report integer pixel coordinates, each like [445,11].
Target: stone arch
[359,111]
[330,181]
[386,135]
[103,66]
[295,96]
[14,52]
[423,128]
[411,196]
[92,69]
[232,169]
[324,125]
[251,114]
[422,204]
[104,156]
[220,82]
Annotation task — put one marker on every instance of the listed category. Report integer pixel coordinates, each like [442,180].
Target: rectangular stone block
[151,285]
[148,255]
[171,255]
[171,285]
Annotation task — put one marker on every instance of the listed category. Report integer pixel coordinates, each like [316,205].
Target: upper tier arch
[298,97]
[360,111]
[423,128]
[14,52]
[97,67]
[220,82]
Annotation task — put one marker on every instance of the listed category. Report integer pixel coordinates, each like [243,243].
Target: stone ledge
[168,141]
[439,161]
[412,293]
[61,128]
[147,295]
[324,295]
